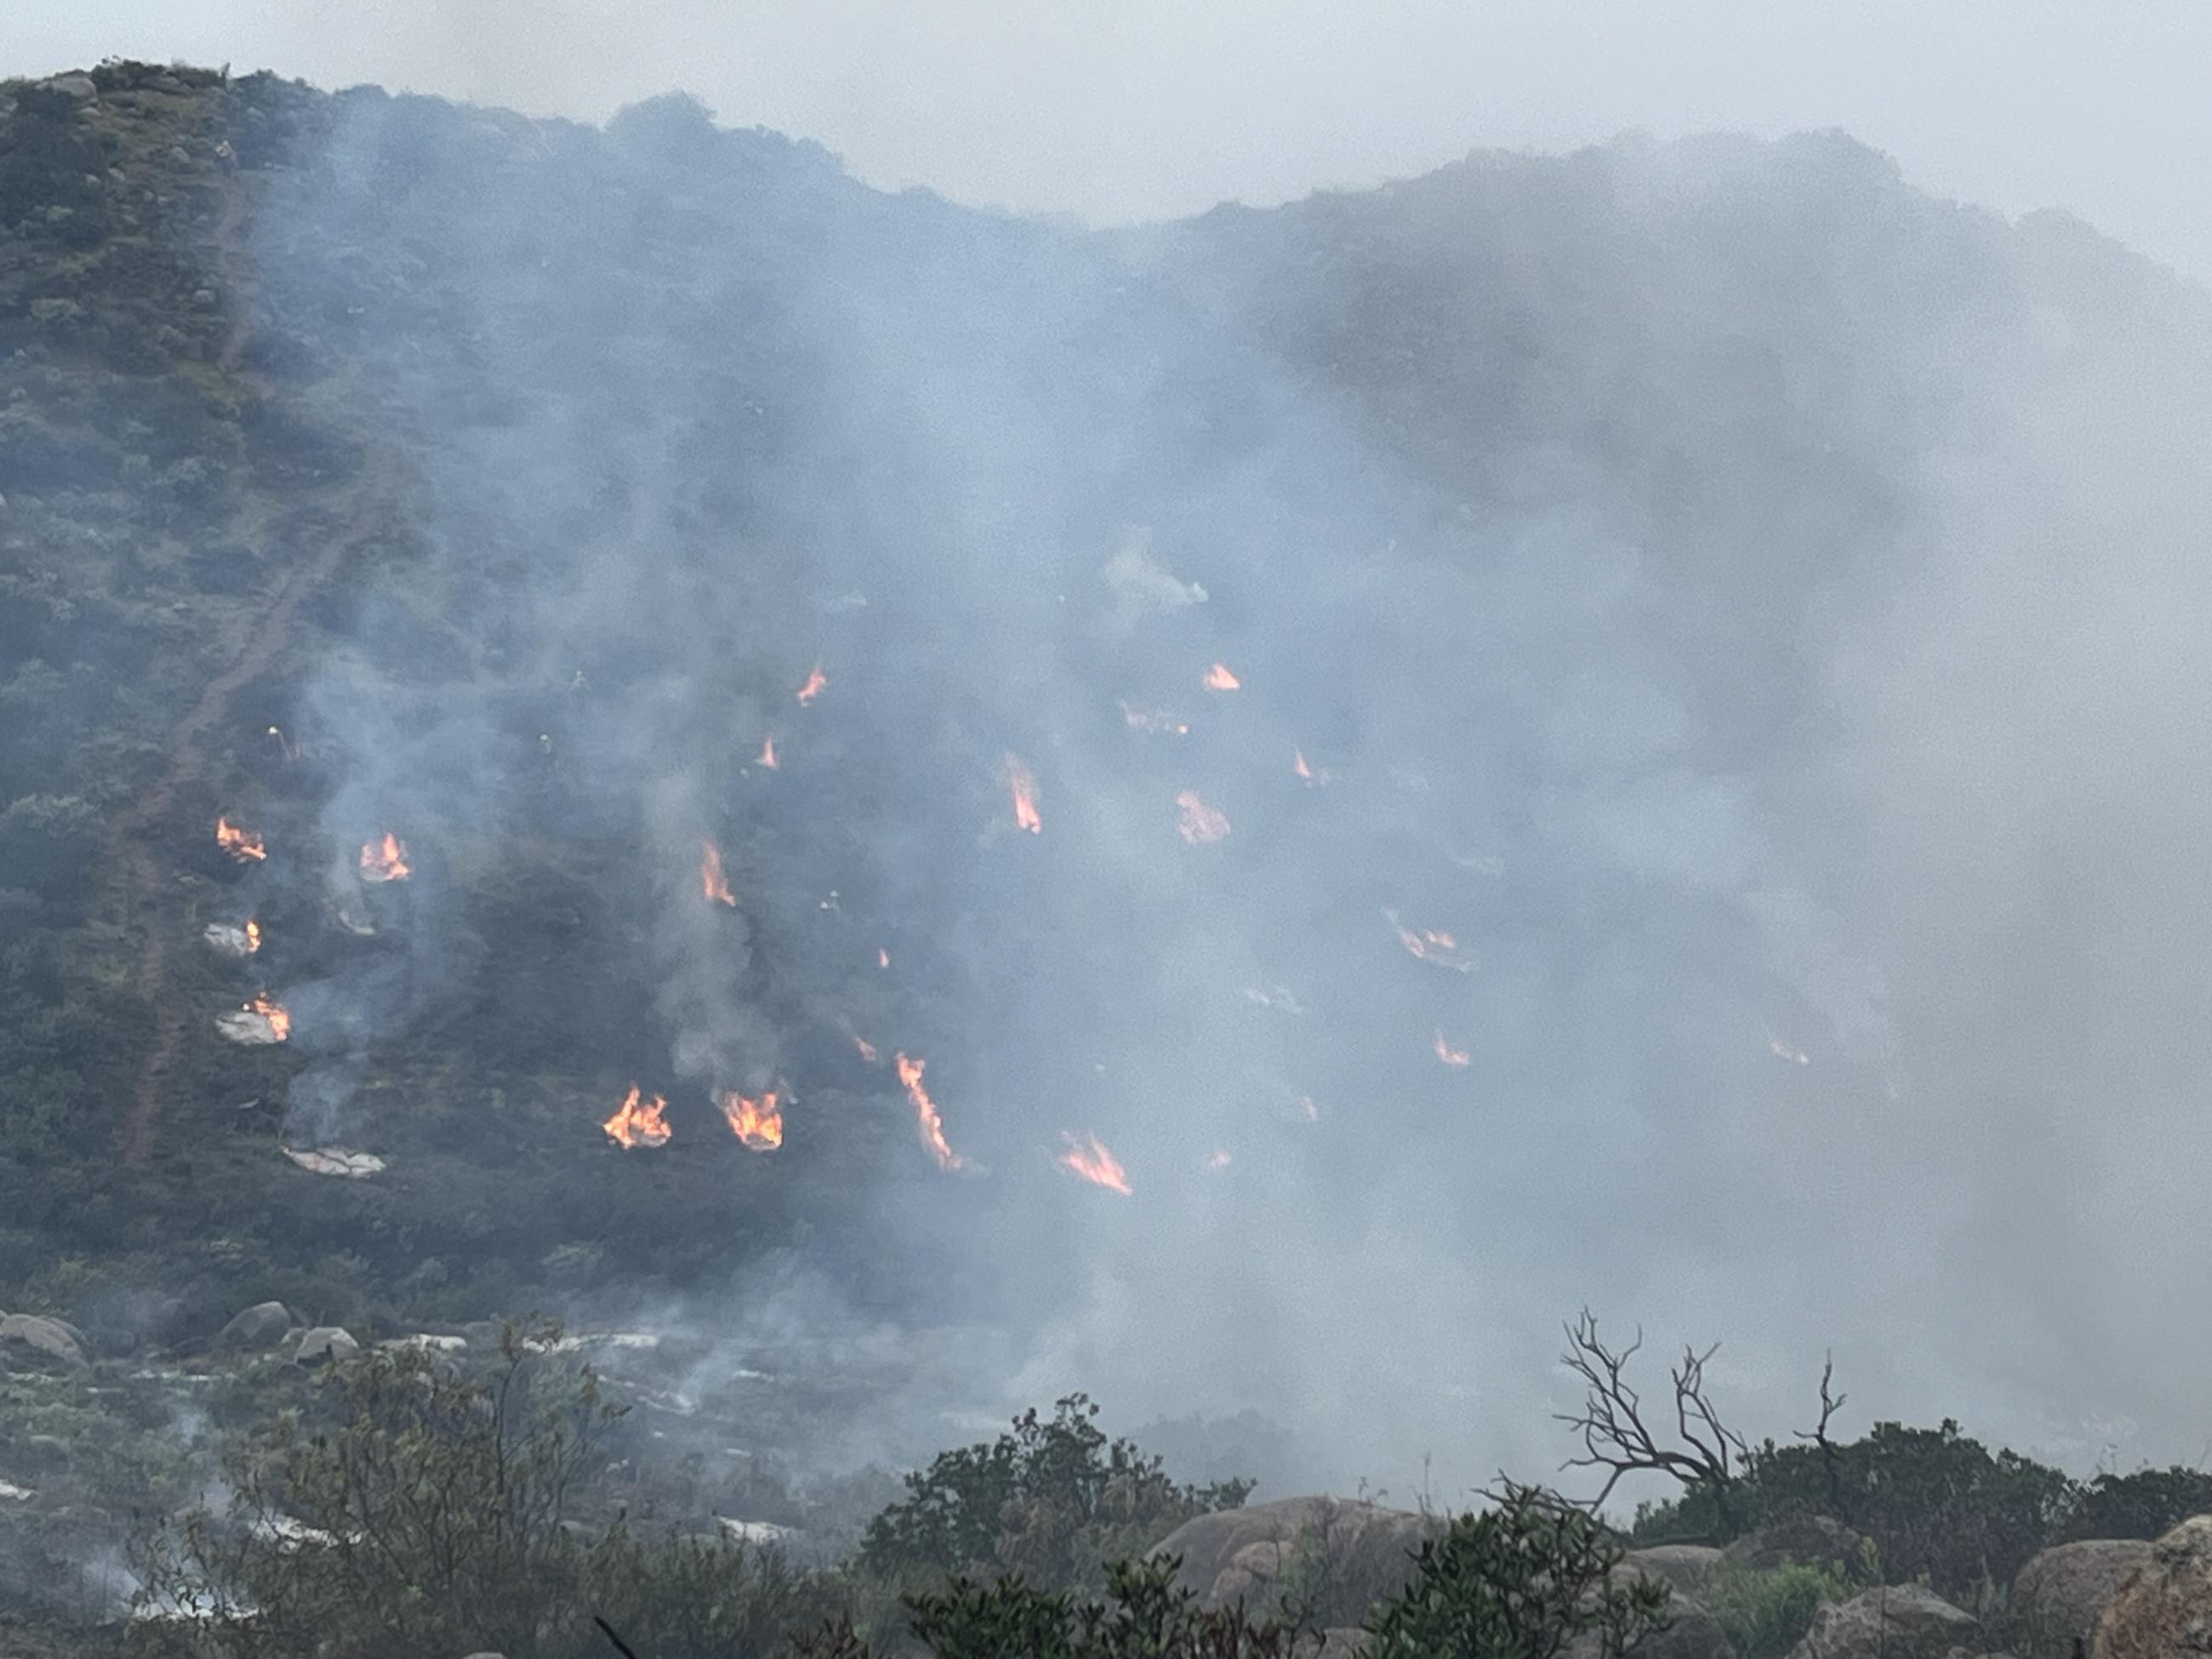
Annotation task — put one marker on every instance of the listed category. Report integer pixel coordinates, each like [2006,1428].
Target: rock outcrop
[1897,1621]
[264,1325]
[2061,1593]
[325,1345]
[1341,1553]
[34,1341]
[2163,1610]
[1812,1539]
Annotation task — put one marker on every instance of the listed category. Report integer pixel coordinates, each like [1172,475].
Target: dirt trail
[138,827]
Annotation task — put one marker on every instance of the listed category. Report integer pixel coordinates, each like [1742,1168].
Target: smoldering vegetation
[1622,728]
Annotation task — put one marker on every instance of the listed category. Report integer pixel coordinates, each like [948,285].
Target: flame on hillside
[1446,1053]
[1089,1159]
[1782,1050]
[1196,821]
[1153,720]
[252,936]
[867,1049]
[1430,945]
[1308,1110]
[711,882]
[1218,679]
[757,1123]
[1220,1159]
[385,859]
[1023,782]
[280,1021]
[639,1122]
[1306,771]
[925,1116]
[241,844]
[882,958]
[816,679]
[768,754]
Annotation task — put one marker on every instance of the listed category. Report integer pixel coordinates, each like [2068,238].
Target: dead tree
[1831,1458]
[1703,1452]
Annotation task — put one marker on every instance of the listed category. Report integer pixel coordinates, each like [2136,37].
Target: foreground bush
[425,1512]
[1764,1614]
[1520,1580]
[1052,1501]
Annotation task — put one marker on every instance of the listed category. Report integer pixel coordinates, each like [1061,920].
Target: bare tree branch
[1831,1459]
[1704,1452]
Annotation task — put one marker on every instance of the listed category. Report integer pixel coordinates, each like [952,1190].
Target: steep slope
[1702,629]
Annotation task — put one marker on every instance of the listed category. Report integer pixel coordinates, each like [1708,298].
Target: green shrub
[1767,1613]
[1519,1581]
[1054,1500]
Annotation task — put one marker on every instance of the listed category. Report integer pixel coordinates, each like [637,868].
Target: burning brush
[757,1123]
[638,1122]
[385,860]
[243,845]
[257,1022]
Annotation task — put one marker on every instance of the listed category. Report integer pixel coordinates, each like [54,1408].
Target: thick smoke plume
[1711,641]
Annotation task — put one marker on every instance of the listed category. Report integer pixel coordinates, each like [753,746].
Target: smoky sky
[1133,111]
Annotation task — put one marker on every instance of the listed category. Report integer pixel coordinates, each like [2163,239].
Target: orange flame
[636,1124]
[1220,1160]
[1308,1110]
[1089,1159]
[241,844]
[1218,679]
[1196,821]
[1298,764]
[816,679]
[1023,782]
[1429,944]
[926,1115]
[868,1049]
[768,754]
[757,1123]
[280,1021]
[1153,720]
[711,879]
[252,937]
[883,958]
[1782,1050]
[385,860]
[1446,1053]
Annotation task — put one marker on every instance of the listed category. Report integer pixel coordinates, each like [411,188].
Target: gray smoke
[1736,615]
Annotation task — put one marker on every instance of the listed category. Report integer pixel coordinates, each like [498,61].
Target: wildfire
[385,860]
[638,1123]
[1089,1159]
[925,1117]
[1152,720]
[711,879]
[1196,821]
[757,1123]
[768,754]
[280,1021]
[1782,1050]
[1218,679]
[1446,1053]
[1308,1110]
[1220,1160]
[1308,773]
[882,958]
[1023,782]
[1430,945]
[241,844]
[252,937]
[816,679]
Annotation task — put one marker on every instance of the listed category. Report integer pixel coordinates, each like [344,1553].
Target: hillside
[1298,791]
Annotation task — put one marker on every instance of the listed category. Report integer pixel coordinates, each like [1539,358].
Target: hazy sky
[1139,108]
